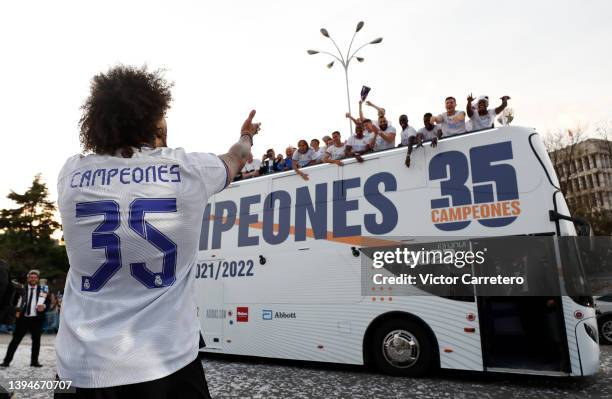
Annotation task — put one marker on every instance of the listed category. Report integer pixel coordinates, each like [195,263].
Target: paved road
[253,378]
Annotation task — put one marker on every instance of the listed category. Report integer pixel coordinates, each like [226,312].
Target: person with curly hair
[129,327]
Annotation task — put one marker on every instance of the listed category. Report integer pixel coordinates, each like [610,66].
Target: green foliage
[26,231]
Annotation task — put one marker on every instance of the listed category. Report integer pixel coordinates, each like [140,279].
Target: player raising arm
[452,121]
[131,212]
[236,157]
[482,117]
[380,110]
[356,121]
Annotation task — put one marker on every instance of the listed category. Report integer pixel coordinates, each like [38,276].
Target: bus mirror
[582,226]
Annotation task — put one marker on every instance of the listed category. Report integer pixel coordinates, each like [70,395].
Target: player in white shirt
[303,156]
[482,117]
[129,327]
[383,135]
[251,167]
[408,136]
[358,144]
[452,121]
[318,150]
[328,141]
[335,151]
[428,132]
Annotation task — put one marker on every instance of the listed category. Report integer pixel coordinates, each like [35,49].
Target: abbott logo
[266,314]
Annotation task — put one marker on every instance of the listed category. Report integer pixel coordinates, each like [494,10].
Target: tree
[34,216]
[561,147]
[604,131]
[26,234]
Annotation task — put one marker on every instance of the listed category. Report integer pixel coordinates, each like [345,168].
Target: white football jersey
[132,228]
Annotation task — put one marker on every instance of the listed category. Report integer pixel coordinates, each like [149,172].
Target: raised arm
[380,110]
[361,110]
[503,105]
[355,120]
[236,157]
[469,109]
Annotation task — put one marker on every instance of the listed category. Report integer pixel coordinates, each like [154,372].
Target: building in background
[585,174]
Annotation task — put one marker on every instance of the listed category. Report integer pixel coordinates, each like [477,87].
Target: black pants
[22,326]
[186,383]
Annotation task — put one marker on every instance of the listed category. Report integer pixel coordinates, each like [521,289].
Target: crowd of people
[379,135]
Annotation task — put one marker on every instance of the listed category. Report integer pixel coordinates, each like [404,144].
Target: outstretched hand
[248,127]
[505,98]
[470,98]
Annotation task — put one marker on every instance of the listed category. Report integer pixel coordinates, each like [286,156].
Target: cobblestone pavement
[256,378]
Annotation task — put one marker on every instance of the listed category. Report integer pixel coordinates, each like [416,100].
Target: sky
[226,57]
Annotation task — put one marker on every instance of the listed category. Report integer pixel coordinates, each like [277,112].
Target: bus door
[208,290]
[522,326]
[209,298]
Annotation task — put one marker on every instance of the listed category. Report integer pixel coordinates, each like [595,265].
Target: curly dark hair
[123,110]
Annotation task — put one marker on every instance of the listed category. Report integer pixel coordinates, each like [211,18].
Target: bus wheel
[605,329]
[403,347]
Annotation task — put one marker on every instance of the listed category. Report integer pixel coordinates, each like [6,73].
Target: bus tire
[605,329]
[403,347]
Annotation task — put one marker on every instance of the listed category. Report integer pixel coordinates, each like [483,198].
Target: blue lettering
[98,172]
[176,171]
[85,177]
[316,214]
[383,204]
[140,175]
[485,171]
[342,206]
[111,173]
[150,170]
[246,219]
[72,180]
[205,228]
[452,166]
[124,173]
[284,214]
[163,169]
[220,225]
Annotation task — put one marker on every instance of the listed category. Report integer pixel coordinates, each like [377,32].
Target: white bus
[279,271]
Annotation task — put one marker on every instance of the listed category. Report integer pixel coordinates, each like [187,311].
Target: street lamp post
[345,61]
